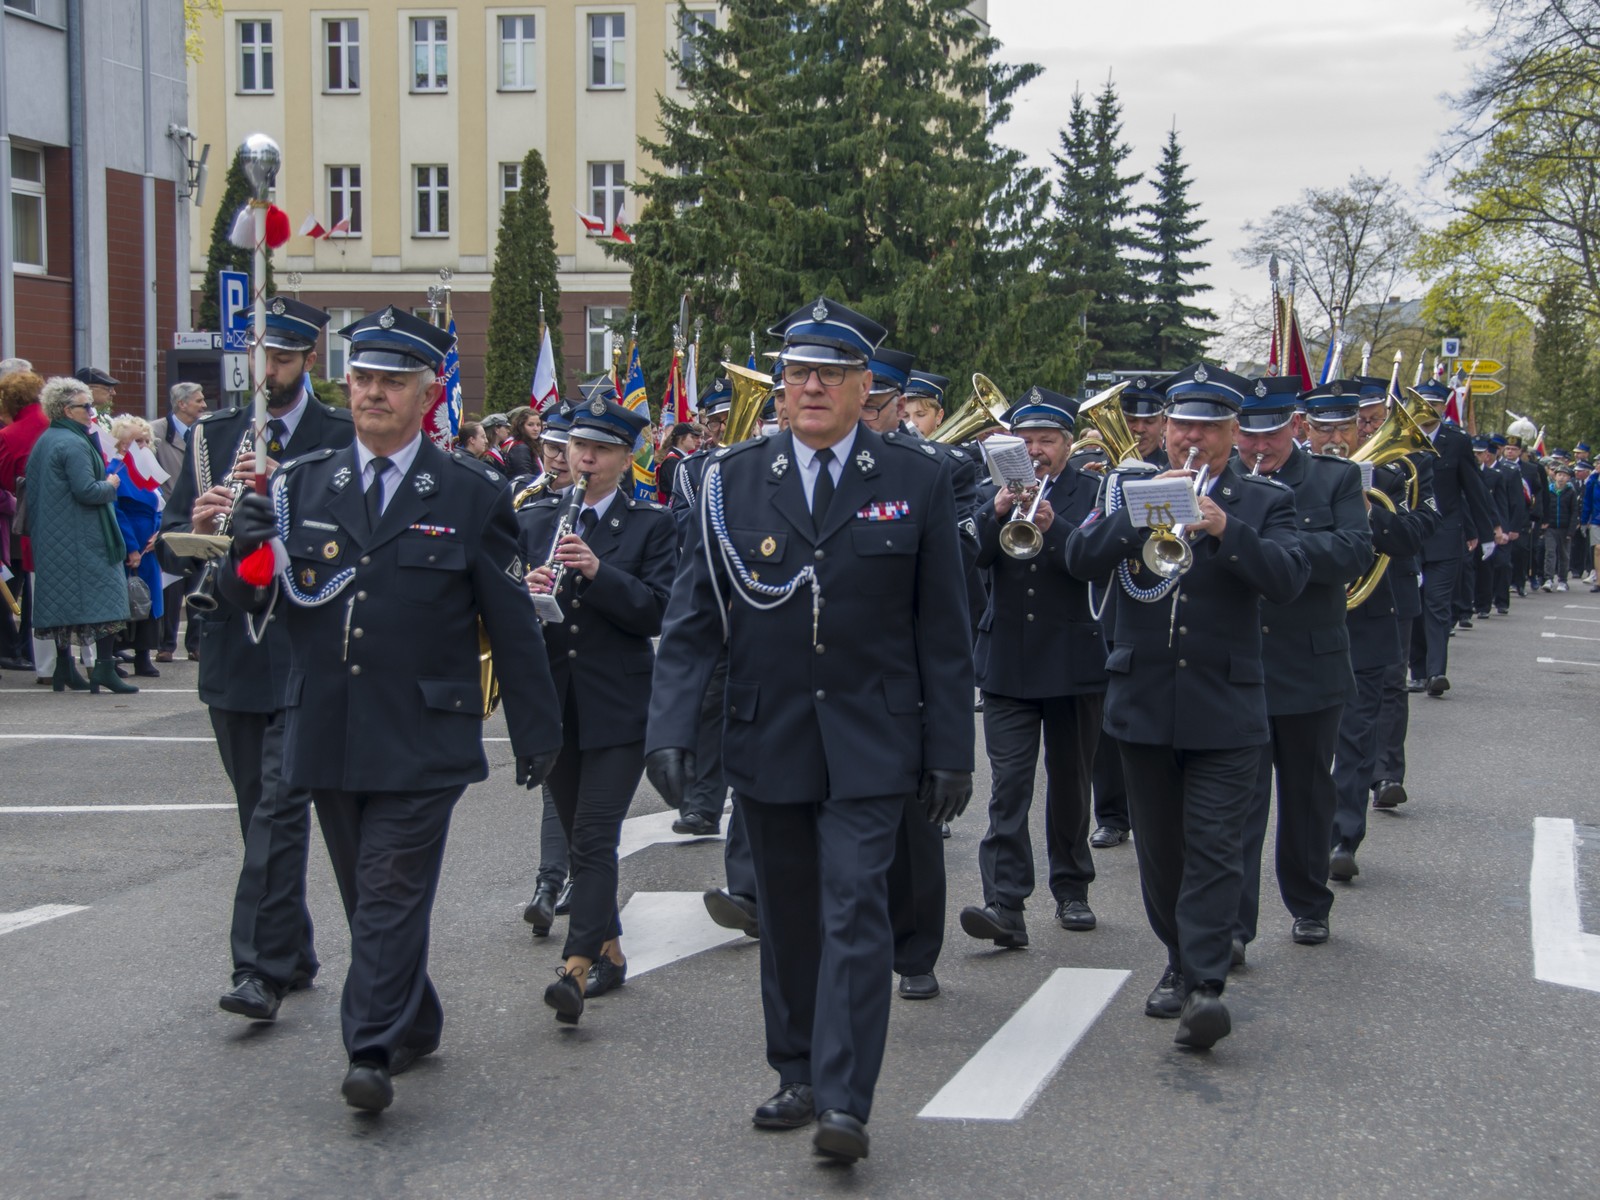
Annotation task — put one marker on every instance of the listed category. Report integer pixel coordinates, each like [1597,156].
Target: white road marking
[1585,607]
[11,922]
[1570,637]
[1562,952]
[639,833]
[114,808]
[100,737]
[1001,1080]
[1577,620]
[144,691]
[1566,662]
[659,928]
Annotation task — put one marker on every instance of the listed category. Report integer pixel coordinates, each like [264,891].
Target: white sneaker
[1545,586]
[1562,586]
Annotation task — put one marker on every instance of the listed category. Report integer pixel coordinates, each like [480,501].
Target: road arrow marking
[1577,620]
[1562,952]
[11,922]
[659,928]
[1002,1079]
[1569,637]
[1565,662]
[639,833]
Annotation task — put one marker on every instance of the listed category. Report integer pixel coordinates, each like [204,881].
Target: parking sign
[235,309]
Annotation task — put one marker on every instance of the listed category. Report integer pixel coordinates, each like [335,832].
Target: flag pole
[260,158]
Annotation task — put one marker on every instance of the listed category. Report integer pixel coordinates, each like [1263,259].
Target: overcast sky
[1269,98]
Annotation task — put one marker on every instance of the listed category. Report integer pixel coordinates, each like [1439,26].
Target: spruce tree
[524,269]
[1173,333]
[1565,373]
[223,254]
[844,149]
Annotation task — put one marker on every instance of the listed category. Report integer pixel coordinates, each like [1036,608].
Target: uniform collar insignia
[865,461]
[341,478]
[780,465]
[387,320]
[820,312]
[615,521]
[929,449]
[423,483]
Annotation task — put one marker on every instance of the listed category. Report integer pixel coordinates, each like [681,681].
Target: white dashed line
[114,808]
[1562,952]
[11,922]
[1566,662]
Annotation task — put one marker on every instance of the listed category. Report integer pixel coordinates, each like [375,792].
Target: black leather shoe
[840,1136]
[919,987]
[1308,931]
[1466,622]
[566,997]
[1002,926]
[1106,837]
[15,664]
[541,910]
[1236,954]
[405,1057]
[790,1107]
[1438,686]
[1166,998]
[733,911]
[944,830]
[605,976]
[697,825]
[1386,793]
[1416,685]
[367,1086]
[1075,915]
[1204,1020]
[1504,612]
[145,669]
[564,898]
[1342,864]
[252,997]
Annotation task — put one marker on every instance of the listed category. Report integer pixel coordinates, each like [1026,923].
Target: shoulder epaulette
[219,413]
[337,413]
[1277,483]
[477,468]
[725,451]
[922,449]
[301,460]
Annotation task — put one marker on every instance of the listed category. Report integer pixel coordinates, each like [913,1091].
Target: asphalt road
[1415,1054]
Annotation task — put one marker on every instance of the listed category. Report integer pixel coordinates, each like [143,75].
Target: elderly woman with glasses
[78,549]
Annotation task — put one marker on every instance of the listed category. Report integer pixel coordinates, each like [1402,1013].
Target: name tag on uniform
[887,510]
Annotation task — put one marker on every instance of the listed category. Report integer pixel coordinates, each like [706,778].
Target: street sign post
[236,372]
[234,305]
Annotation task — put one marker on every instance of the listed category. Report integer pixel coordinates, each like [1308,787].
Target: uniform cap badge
[598,408]
[279,308]
[331,550]
[1200,375]
[1261,388]
[386,321]
[820,312]
[769,546]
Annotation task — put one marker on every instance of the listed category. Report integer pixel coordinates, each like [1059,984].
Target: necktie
[277,431]
[587,520]
[375,491]
[822,493]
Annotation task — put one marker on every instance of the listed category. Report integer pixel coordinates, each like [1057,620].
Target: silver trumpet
[1167,552]
[1019,536]
[545,604]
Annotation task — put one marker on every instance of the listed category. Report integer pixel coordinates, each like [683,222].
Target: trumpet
[1167,552]
[1019,536]
[545,604]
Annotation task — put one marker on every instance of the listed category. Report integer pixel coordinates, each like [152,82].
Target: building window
[516,54]
[607,191]
[27,210]
[433,201]
[342,39]
[608,51]
[255,56]
[690,26]
[344,201]
[31,7]
[510,181]
[338,348]
[601,339]
[430,54]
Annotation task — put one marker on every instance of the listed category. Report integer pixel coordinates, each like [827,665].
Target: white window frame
[29,192]
[608,191]
[596,324]
[525,42]
[435,185]
[698,18]
[437,30]
[260,51]
[346,188]
[336,364]
[611,39]
[341,44]
[31,7]
[508,172]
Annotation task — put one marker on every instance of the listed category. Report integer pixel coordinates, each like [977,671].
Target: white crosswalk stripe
[11,922]
[1562,952]
[662,927]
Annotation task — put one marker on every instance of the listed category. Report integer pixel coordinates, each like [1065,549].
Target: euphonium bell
[750,392]
[979,414]
[1109,425]
[1401,434]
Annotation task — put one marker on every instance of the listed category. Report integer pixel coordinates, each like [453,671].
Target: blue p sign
[235,309]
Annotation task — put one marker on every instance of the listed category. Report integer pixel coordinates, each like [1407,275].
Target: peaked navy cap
[393,340]
[826,331]
[293,324]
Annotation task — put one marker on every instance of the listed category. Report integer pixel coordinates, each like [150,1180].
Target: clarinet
[545,604]
[204,596]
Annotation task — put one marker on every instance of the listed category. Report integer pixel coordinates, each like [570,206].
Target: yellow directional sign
[1485,387]
[1482,366]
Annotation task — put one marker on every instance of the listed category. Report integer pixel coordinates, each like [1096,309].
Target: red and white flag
[619,233]
[312,228]
[543,393]
[341,228]
[595,225]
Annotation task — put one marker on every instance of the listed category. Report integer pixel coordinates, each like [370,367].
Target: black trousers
[387,848]
[1188,809]
[1301,755]
[822,875]
[741,871]
[1110,788]
[1355,763]
[1430,642]
[1522,556]
[1479,578]
[1012,729]
[241,738]
[272,935]
[592,791]
[1500,572]
[552,843]
[1395,719]
[709,793]
[172,612]
[917,892]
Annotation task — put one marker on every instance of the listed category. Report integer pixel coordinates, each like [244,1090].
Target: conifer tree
[524,269]
[1565,372]
[223,254]
[1173,325]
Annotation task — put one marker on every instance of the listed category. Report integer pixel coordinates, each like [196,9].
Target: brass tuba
[1398,436]
[982,412]
[750,392]
[531,493]
[486,677]
[1109,426]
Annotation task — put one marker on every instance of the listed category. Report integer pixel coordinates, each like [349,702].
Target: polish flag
[340,228]
[312,228]
[543,393]
[619,234]
[595,225]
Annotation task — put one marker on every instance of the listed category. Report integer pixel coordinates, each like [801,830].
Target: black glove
[670,771]
[253,523]
[944,794]
[532,768]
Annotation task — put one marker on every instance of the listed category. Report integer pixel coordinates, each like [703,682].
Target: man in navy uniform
[1465,520]
[395,551]
[833,553]
[1305,648]
[1041,666]
[1186,699]
[714,408]
[242,684]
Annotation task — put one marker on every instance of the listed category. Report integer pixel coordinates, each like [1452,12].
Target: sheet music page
[1160,502]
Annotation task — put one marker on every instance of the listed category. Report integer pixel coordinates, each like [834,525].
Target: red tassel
[258,567]
[277,227]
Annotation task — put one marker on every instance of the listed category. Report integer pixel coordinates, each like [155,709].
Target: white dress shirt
[806,457]
[399,463]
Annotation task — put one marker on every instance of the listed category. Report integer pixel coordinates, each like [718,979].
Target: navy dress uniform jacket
[1519,503]
[1037,637]
[383,691]
[1463,500]
[236,674]
[604,640]
[1193,680]
[886,691]
[1374,624]
[1306,647]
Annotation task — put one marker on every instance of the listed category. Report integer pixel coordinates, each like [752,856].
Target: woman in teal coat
[78,551]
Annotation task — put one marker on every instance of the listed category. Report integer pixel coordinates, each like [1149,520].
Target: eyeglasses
[830,374]
[80,404]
